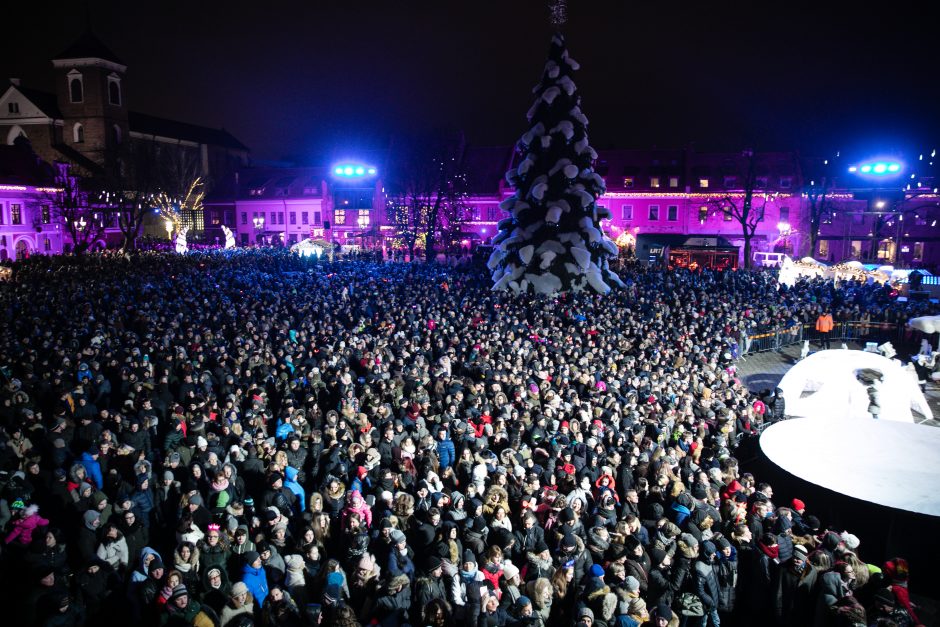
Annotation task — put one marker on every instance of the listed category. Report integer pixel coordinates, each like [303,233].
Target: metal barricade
[773,340]
[850,331]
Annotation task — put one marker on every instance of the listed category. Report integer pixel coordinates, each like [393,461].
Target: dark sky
[315,77]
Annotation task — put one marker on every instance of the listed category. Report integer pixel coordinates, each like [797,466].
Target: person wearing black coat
[97,581]
[779,405]
[665,578]
[726,567]
[394,602]
[705,577]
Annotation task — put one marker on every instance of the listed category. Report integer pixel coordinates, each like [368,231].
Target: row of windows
[77,88]
[672,213]
[16,214]
[277,217]
[761,182]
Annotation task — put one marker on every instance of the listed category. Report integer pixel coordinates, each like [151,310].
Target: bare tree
[747,208]
[819,203]
[428,192]
[128,188]
[69,201]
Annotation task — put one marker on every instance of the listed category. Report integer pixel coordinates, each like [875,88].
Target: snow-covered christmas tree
[552,240]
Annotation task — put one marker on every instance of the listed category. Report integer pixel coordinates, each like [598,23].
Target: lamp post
[259,226]
[363,222]
[784,229]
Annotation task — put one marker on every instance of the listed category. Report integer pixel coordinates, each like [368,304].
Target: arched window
[78,134]
[114,91]
[15,132]
[76,89]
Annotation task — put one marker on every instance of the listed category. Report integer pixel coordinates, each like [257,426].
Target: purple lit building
[282,206]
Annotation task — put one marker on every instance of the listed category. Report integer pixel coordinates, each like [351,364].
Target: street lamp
[259,226]
[363,221]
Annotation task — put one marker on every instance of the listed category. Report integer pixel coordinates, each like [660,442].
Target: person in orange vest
[824,325]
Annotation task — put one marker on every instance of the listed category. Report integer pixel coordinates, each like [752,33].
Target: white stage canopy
[888,463]
[824,386]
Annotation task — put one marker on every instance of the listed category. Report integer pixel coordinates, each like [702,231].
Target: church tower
[90,90]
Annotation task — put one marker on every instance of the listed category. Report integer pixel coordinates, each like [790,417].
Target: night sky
[313,79]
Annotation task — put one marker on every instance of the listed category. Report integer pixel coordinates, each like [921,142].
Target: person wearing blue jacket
[254,577]
[445,448]
[291,483]
[92,468]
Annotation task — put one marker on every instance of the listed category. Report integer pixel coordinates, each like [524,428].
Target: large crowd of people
[252,438]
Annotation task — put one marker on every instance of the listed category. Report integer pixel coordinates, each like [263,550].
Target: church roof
[46,102]
[19,165]
[88,47]
[152,125]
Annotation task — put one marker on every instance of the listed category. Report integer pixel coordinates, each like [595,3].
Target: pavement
[760,371]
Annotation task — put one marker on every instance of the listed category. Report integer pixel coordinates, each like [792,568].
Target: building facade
[87,123]
[283,206]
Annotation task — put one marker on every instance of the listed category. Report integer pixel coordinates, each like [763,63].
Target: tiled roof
[152,125]
[88,47]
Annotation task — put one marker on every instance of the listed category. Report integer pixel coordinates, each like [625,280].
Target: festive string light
[559,12]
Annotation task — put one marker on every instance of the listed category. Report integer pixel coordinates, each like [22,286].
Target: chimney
[15,81]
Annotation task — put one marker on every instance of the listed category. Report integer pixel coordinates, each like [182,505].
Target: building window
[672,213]
[45,214]
[855,249]
[76,88]
[654,181]
[726,212]
[885,250]
[761,182]
[316,219]
[1,213]
[702,214]
[703,183]
[16,214]
[918,251]
[114,91]
[13,107]
[785,214]
[46,244]
[492,213]
[117,135]
[244,239]
[280,217]
[78,134]
[339,216]
[673,181]
[730,181]
[303,217]
[293,217]
[786,182]
[626,212]
[628,181]
[244,217]
[824,249]
[654,213]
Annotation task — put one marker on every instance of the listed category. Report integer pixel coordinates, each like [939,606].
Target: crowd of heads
[252,438]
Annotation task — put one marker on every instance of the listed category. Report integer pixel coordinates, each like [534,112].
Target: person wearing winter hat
[705,578]
[661,616]
[585,617]
[254,577]
[240,603]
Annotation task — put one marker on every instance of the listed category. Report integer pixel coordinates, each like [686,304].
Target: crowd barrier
[850,331]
